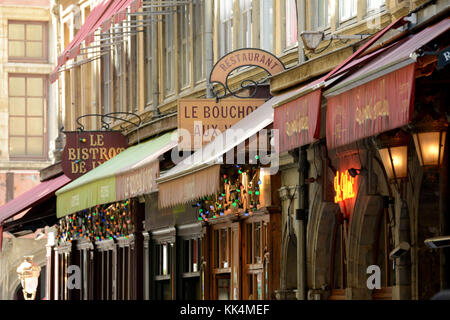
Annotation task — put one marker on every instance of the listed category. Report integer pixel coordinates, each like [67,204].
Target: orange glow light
[343,186]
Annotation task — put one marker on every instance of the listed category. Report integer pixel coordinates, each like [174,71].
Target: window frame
[247,12]
[226,23]
[169,49]
[353,10]
[44,116]
[266,30]
[184,62]
[370,10]
[44,58]
[199,36]
[288,45]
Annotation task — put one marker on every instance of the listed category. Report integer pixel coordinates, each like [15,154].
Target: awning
[297,118]
[198,175]
[129,174]
[379,96]
[397,57]
[35,196]
[103,15]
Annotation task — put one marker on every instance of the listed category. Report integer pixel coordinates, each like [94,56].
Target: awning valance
[129,174]
[175,187]
[102,15]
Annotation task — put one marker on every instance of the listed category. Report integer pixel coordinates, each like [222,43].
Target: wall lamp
[429,138]
[393,149]
[312,39]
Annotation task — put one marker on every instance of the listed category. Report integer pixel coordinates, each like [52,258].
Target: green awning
[115,179]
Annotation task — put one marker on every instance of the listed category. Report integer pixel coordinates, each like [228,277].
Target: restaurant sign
[242,58]
[201,120]
[86,150]
[377,106]
[298,121]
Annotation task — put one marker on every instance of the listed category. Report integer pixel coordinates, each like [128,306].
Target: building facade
[28,129]
[126,65]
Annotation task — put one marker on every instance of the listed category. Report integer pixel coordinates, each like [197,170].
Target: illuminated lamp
[393,150]
[28,273]
[429,138]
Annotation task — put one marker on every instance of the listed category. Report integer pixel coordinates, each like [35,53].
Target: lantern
[429,139]
[28,273]
[393,150]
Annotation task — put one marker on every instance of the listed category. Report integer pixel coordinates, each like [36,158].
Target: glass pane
[16,49]
[216,249]
[34,127]
[165,259]
[258,242]
[16,146]
[223,248]
[17,106]
[16,31]
[35,146]
[223,286]
[35,106]
[34,49]
[17,126]
[34,32]
[249,244]
[16,86]
[34,87]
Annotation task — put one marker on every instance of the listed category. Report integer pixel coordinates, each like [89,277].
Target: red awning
[298,117]
[379,96]
[32,197]
[103,15]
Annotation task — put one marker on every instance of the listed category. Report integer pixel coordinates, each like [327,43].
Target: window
[192,253]
[148,47]
[27,41]
[323,16]
[291,23]
[27,109]
[347,9]
[226,26]
[266,23]
[199,40]
[106,76]
[119,81]
[222,248]
[133,58]
[374,5]
[246,23]
[169,54]
[185,52]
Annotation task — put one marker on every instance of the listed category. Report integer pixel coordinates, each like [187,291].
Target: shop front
[100,227]
[357,182]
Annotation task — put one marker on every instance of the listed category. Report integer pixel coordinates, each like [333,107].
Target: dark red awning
[32,197]
[103,15]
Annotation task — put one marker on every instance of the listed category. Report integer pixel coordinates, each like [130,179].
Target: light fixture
[354,172]
[28,273]
[312,39]
[429,138]
[393,150]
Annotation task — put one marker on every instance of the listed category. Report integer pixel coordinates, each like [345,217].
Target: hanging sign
[377,106]
[241,58]
[87,150]
[443,58]
[201,120]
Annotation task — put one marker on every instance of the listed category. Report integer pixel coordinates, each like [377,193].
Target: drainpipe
[208,44]
[154,76]
[301,217]
[301,26]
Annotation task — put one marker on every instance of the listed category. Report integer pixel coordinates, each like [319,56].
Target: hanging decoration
[240,193]
[102,222]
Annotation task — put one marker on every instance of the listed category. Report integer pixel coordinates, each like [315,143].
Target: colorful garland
[240,193]
[98,223]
